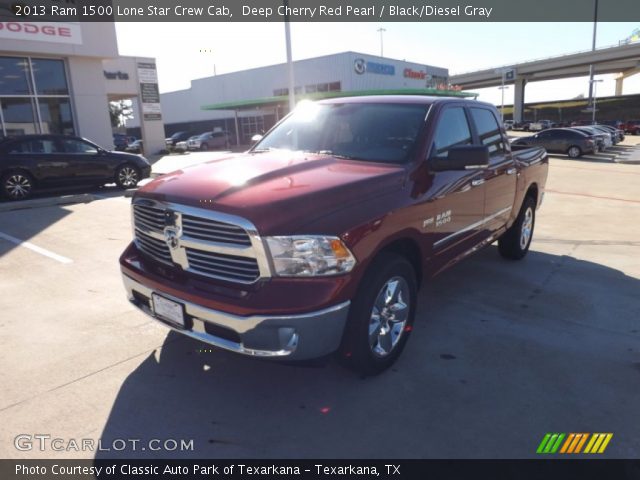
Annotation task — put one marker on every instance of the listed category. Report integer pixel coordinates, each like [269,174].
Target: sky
[187,51]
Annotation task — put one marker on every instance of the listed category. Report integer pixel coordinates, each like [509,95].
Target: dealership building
[60,77]
[251,101]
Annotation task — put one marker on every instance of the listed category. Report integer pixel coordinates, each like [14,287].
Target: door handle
[475,183]
[511,171]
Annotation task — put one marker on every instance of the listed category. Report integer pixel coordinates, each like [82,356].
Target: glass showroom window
[18,116]
[34,97]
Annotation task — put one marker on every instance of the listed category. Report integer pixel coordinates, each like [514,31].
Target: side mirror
[462,157]
[256,138]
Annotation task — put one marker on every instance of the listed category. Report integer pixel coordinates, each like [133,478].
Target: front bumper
[296,337]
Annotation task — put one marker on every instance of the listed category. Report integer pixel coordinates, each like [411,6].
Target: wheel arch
[408,248]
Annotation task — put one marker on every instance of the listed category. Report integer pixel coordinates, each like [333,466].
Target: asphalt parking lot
[502,352]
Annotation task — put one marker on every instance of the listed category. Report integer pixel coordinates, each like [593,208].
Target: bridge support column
[619,83]
[621,76]
[518,100]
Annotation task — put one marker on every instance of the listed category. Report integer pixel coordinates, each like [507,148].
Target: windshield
[358,131]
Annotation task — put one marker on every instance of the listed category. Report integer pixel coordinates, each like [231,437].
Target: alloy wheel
[527,228]
[18,186]
[128,177]
[389,316]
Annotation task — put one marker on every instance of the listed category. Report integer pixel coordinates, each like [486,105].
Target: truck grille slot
[227,267]
[149,217]
[213,231]
[153,247]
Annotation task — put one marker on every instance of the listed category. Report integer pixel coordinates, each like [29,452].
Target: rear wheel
[127,176]
[574,152]
[381,316]
[514,243]
[17,185]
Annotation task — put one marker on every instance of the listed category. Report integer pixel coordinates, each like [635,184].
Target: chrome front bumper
[297,337]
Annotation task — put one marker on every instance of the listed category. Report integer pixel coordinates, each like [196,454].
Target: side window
[71,145]
[453,129]
[488,130]
[34,146]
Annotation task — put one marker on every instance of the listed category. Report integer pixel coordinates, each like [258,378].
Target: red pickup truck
[317,239]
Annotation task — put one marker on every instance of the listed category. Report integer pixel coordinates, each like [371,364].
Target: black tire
[17,185]
[362,349]
[204,146]
[127,176]
[574,151]
[513,244]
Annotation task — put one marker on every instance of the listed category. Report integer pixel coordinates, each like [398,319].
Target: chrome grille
[203,242]
[228,267]
[152,246]
[211,230]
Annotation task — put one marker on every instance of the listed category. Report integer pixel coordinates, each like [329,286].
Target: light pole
[381,30]
[592,83]
[287,35]
[593,48]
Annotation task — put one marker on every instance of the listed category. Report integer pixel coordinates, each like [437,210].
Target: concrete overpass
[623,60]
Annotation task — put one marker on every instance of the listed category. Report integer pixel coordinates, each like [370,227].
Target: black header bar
[317,11]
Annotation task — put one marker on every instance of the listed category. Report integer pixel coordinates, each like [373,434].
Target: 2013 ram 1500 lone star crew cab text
[317,239]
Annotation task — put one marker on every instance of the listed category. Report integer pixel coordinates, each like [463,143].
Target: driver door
[87,162]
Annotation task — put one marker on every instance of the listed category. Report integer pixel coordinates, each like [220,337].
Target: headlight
[309,255]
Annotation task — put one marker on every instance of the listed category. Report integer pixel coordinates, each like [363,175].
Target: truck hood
[278,191]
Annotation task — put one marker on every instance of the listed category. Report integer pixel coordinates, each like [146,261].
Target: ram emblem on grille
[171,237]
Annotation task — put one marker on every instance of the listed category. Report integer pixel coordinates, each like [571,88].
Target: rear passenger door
[500,177]
[42,157]
[550,140]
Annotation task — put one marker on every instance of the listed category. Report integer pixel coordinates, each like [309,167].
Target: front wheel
[514,243]
[204,147]
[381,315]
[17,185]
[127,176]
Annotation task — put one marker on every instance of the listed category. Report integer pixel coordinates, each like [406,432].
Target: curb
[46,202]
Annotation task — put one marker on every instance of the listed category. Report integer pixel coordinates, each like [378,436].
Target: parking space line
[35,248]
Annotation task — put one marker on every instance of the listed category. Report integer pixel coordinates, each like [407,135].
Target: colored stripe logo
[574,442]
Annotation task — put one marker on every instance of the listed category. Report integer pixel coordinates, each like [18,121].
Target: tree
[119,112]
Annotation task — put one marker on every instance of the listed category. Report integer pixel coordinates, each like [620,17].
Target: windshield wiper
[336,155]
[261,150]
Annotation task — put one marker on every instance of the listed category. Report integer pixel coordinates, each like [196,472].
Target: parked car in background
[135,147]
[120,141]
[540,125]
[560,140]
[175,138]
[508,124]
[522,125]
[617,134]
[632,127]
[30,162]
[210,140]
[603,139]
[183,146]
